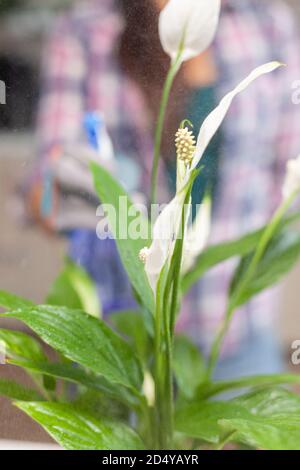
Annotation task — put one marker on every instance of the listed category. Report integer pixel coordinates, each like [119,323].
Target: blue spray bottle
[100,257]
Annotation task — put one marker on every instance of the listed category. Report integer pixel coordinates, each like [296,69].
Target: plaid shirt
[81,73]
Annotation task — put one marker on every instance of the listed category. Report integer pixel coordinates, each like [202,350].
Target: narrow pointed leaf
[280,257]
[76,374]
[110,192]
[15,391]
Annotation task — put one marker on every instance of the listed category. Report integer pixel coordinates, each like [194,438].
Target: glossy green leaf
[266,419]
[111,193]
[189,366]
[75,289]
[219,253]
[279,259]
[274,423]
[77,430]
[15,391]
[76,374]
[86,340]
[13,302]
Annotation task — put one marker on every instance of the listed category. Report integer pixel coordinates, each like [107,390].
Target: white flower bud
[191,24]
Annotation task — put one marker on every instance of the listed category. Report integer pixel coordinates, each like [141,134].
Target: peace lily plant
[139,385]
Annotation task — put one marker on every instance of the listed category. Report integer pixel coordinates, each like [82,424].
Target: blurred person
[105,55]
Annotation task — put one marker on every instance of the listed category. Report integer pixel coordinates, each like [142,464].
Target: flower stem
[158,429]
[174,68]
[178,261]
[216,346]
[250,272]
[170,303]
[169,395]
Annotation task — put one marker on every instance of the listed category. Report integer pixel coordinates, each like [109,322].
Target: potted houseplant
[139,385]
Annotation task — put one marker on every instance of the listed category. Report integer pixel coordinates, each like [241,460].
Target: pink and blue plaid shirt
[262,130]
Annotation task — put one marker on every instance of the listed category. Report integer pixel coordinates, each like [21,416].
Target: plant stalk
[158,437]
[170,302]
[174,68]
[250,272]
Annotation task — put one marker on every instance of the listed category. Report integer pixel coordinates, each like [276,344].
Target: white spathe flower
[169,220]
[292,178]
[216,117]
[197,235]
[165,232]
[190,24]
[167,229]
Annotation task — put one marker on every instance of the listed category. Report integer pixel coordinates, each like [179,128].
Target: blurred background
[30,259]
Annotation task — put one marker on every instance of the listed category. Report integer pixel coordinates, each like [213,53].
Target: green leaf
[15,391]
[77,430]
[76,374]
[13,302]
[22,346]
[274,422]
[131,325]
[267,419]
[86,340]
[110,192]
[189,366]
[200,419]
[280,257]
[255,381]
[75,289]
[219,253]
[216,254]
